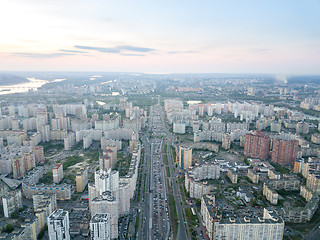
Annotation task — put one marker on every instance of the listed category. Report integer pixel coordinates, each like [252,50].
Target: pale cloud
[42,55]
[117,49]
[71,51]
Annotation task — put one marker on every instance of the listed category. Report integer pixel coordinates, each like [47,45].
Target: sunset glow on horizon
[167,36]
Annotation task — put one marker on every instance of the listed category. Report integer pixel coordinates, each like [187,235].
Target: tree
[8,228]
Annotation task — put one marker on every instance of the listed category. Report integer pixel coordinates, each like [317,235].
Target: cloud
[132,54]
[136,49]
[178,52]
[42,55]
[117,49]
[72,51]
[99,49]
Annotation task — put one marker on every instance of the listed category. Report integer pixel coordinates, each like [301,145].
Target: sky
[176,36]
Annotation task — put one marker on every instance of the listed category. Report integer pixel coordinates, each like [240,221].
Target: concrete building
[268,226]
[105,162]
[69,141]
[237,126]
[313,181]
[275,127]
[273,174]
[18,168]
[29,161]
[257,145]
[62,191]
[253,176]
[110,152]
[100,226]
[233,176]
[11,202]
[5,165]
[15,124]
[38,154]
[287,183]
[194,176]
[111,194]
[105,142]
[179,127]
[184,157]
[298,165]
[172,103]
[57,172]
[82,179]
[284,151]
[107,203]
[58,225]
[315,138]
[44,205]
[226,141]
[302,127]
[39,199]
[305,213]
[271,195]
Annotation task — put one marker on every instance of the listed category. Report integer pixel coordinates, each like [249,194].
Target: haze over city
[279,37]
[160,120]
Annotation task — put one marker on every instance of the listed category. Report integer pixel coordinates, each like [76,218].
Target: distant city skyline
[280,37]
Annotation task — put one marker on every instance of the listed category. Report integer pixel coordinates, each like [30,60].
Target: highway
[154,216]
[154,223]
[182,231]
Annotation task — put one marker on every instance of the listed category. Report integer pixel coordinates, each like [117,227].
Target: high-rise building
[257,145]
[18,168]
[107,203]
[15,124]
[302,127]
[201,110]
[105,162]
[38,154]
[45,197]
[111,151]
[268,226]
[226,141]
[57,172]
[81,179]
[11,202]
[58,225]
[185,157]
[100,226]
[29,161]
[284,151]
[298,164]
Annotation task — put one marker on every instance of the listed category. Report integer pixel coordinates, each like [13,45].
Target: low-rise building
[233,176]
[315,138]
[305,213]
[273,174]
[253,176]
[271,195]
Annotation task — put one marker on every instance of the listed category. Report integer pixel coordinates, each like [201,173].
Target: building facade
[58,225]
[257,145]
[100,226]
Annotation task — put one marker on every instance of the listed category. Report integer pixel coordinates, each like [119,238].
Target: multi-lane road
[154,222]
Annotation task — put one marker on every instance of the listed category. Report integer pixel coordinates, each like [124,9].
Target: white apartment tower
[100,226]
[58,225]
